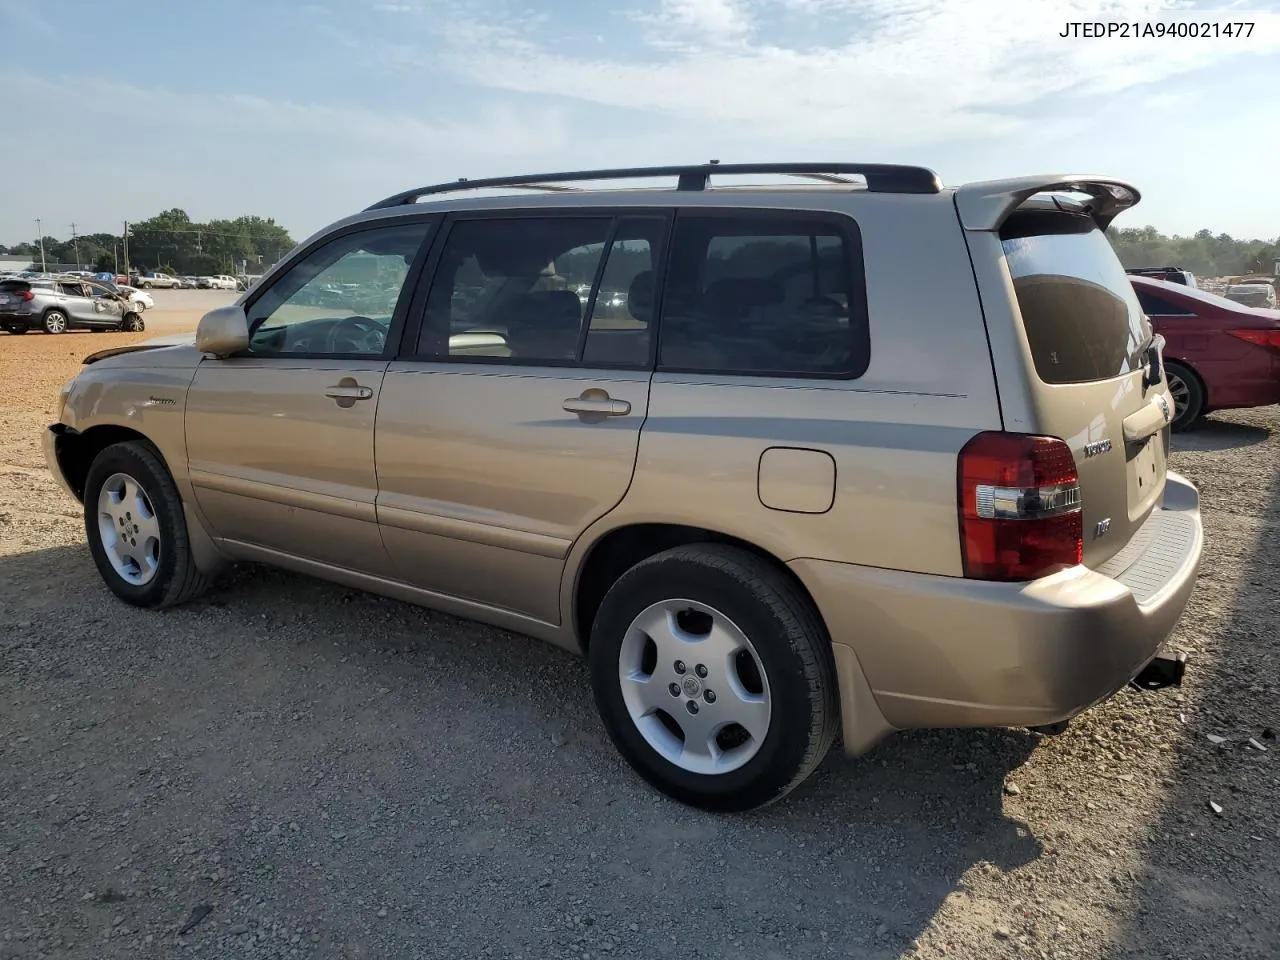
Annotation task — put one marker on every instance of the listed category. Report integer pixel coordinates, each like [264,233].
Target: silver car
[1253,293]
[59,305]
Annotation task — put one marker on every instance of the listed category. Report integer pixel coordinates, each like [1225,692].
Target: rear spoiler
[987,204]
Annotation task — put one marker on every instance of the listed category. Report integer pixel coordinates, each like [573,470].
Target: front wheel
[132,323]
[137,530]
[1188,395]
[714,677]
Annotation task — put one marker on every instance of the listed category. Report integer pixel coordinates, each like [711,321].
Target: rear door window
[1082,318]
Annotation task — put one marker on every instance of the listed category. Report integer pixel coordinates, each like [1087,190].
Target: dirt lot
[337,775]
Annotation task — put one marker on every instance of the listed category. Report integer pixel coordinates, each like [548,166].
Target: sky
[308,111]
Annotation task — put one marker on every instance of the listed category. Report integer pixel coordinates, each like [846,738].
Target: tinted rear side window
[765,295]
[1082,318]
[1154,305]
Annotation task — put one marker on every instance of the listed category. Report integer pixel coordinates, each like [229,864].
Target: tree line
[171,242]
[1204,253]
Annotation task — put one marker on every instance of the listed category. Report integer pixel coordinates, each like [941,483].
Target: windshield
[1082,319]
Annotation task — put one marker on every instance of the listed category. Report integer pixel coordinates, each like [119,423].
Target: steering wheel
[363,334]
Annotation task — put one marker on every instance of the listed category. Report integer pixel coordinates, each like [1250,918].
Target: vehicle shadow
[1209,882]
[424,758]
[1209,435]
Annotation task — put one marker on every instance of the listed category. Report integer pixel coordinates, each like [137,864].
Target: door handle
[597,406]
[344,392]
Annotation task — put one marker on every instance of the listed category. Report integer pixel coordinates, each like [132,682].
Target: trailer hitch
[1165,670]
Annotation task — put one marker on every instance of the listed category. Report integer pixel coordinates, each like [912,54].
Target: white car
[141,298]
[223,282]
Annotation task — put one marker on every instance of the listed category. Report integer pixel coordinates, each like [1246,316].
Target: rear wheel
[1188,395]
[714,677]
[137,529]
[16,329]
[55,321]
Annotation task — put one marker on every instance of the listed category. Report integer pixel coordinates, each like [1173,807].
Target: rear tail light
[1019,505]
[1261,338]
[26,296]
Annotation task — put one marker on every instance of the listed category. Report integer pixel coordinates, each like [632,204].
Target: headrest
[548,311]
[640,297]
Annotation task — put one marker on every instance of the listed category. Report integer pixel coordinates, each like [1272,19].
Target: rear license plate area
[1146,470]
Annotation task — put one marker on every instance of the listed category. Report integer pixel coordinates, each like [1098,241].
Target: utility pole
[125,241]
[44,265]
[76,243]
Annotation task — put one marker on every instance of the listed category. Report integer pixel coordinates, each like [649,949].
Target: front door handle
[597,406]
[346,392]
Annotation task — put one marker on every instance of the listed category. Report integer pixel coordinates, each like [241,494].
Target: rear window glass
[1082,318]
[765,295]
[9,286]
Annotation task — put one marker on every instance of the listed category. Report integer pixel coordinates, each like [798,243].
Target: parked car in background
[1253,292]
[141,298]
[56,306]
[189,283]
[1219,354]
[779,492]
[162,281]
[1170,274]
[223,281]
[204,283]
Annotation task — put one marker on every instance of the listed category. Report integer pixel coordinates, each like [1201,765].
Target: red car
[1219,354]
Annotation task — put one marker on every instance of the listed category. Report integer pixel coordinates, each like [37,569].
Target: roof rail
[880,177]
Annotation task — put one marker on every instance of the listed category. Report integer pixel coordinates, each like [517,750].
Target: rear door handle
[597,406]
[341,392]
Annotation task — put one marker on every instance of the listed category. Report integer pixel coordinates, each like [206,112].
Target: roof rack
[880,178]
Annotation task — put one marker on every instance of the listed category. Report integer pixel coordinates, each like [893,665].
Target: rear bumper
[949,652]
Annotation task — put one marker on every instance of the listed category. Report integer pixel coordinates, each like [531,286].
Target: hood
[155,343]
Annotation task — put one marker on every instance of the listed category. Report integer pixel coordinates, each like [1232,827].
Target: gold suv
[843,456]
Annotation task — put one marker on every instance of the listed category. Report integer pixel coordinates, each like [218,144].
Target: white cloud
[694,24]
[887,71]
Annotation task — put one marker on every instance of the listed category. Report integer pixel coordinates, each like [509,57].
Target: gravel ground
[287,768]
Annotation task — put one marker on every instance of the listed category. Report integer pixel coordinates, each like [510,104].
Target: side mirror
[223,331]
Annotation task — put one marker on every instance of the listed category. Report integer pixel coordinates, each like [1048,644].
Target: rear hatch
[1096,381]
[14,295]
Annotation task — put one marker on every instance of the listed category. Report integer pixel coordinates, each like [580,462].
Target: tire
[166,572]
[132,323]
[54,321]
[145,286]
[1188,395]
[16,329]
[791,699]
